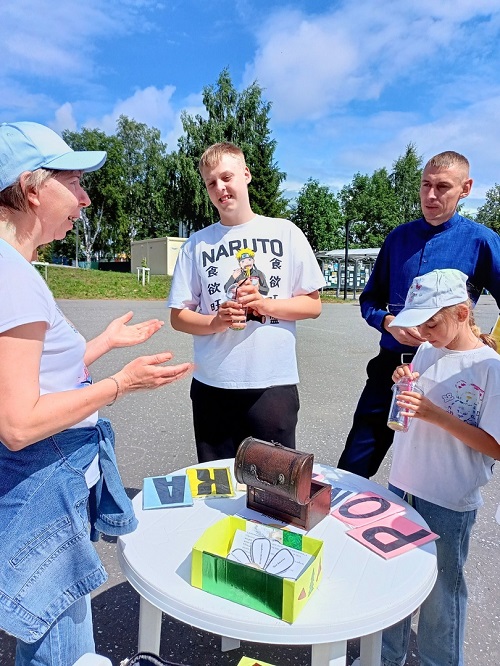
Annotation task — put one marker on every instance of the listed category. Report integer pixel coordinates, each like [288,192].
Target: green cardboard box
[276,596]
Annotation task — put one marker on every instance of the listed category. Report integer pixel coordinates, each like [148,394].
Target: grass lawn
[66,282]
[74,283]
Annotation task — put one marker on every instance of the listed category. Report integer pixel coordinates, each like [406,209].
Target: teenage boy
[245,378]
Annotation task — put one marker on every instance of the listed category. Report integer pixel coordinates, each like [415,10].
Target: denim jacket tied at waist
[47,560]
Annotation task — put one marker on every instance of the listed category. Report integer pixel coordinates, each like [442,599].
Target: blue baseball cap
[27,146]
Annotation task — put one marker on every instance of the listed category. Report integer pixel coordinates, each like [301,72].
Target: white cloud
[312,66]
[58,39]
[193,106]
[153,107]
[471,131]
[150,105]
[418,71]
[377,141]
[43,41]
[349,87]
[18,102]
[64,119]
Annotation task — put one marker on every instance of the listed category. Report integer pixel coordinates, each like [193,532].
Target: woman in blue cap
[56,454]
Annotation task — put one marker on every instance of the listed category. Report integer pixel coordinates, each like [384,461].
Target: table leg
[329,654]
[229,644]
[149,627]
[370,649]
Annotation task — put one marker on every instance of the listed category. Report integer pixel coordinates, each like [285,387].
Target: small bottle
[232,294]
[396,420]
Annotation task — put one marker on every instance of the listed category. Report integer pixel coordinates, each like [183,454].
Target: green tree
[405,178]
[129,193]
[489,213]
[370,206]
[240,118]
[147,204]
[106,189]
[317,213]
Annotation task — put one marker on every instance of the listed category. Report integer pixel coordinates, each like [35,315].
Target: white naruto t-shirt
[283,264]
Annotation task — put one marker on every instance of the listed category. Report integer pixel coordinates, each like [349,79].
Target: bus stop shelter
[359,266]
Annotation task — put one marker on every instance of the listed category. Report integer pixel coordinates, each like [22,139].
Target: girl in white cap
[58,467]
[448,453]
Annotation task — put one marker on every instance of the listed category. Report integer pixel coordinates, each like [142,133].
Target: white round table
[359,595]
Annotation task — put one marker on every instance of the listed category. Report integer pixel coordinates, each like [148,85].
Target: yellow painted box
[276,596]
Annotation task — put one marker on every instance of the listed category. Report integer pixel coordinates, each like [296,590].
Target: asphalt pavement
[154,436]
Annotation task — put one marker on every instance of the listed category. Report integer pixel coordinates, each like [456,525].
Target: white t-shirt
[427,461]
[261,355]
[25,298]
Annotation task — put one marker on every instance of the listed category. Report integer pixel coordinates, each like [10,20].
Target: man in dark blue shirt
[441,239]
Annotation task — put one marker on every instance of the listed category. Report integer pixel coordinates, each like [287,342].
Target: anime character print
[247,270]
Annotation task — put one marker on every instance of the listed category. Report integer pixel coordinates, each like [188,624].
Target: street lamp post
[346,256]
[77,243]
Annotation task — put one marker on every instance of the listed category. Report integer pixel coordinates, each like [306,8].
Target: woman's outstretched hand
[119,334]
[149,372]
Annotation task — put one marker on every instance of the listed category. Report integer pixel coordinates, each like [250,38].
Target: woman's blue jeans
[69,638]
[441,624]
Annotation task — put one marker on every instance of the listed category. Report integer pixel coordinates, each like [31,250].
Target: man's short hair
[213,155]
[447,160]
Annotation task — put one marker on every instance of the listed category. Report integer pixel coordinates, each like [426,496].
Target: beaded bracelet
[117,391]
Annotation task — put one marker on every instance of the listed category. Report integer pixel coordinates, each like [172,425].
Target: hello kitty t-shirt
[429,462]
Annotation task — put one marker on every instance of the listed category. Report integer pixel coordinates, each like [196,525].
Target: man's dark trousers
[370,438]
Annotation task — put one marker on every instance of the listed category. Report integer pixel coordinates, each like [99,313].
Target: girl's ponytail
[487,338]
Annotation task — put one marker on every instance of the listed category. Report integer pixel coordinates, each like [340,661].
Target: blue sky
[351,82]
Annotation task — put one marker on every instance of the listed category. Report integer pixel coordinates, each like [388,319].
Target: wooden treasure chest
[280,484]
